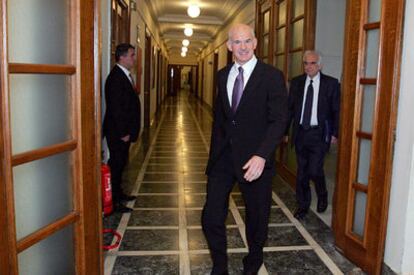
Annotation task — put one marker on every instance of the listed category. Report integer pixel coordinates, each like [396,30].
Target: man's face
[242,44]
[310,63]
[128,59]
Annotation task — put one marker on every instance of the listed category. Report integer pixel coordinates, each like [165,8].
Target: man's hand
[254,168]
[125,138]
[285,139]
[334,140]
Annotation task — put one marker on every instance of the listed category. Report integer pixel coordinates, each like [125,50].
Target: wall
[399,246]
[329,36]
[245,15]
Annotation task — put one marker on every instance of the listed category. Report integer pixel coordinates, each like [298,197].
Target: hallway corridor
[163,234]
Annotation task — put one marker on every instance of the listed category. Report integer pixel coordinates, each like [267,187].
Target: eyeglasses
[309,63]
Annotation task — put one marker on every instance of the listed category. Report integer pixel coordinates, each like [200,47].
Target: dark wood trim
[360,187]
[364,135]
[348,87]
[44,152]
[46,231]
[368,81]
[23,68]
[8,253]
[297,18]
[90,137]
[372,26]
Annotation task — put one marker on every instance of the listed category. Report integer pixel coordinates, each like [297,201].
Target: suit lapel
[321,95]
[223,89]
[301,90]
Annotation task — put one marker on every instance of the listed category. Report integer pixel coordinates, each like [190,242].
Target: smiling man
[249,120]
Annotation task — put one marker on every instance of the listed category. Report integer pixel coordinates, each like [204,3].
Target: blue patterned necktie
[237,90]
[307,112]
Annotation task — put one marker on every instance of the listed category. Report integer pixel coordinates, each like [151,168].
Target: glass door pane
[38,31]
[54,255]
[40,111]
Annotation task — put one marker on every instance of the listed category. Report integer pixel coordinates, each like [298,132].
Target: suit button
[233,122]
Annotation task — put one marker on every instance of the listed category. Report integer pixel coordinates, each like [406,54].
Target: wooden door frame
[86,216]
[215,70]
[147,78]
[383,135]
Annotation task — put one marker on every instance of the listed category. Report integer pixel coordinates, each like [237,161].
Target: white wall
[399,246]
[329,37]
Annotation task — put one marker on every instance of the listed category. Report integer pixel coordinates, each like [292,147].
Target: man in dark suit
[314,100]
[122,119]
[250,116]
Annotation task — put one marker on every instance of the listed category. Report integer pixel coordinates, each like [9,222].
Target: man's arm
[115,102]
[277,109]
[277,119]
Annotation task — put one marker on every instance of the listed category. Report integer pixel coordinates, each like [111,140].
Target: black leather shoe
[120,208]
[125,197]
[249,273]
[322,204]
[300,213]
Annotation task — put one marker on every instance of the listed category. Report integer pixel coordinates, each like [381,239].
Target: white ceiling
[172,18]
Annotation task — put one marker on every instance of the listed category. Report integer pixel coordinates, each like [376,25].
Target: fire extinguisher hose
[116,235]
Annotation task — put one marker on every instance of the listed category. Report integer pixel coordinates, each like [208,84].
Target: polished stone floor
[163,234]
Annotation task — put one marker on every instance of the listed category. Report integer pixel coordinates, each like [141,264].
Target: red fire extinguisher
[107,204]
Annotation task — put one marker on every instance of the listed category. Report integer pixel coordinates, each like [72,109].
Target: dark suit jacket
[259,122]
[328,105]
[123,109]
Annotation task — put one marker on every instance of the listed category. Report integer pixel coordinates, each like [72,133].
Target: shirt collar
[125,70]
[315,79]
[248,66]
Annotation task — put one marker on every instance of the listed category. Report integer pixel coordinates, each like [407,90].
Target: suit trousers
[257,198]
[118,158]
[310,153]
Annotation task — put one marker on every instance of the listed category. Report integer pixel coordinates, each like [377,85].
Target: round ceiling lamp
[188,31]
[183,54]
[184,49]
[186,42]
[193,10]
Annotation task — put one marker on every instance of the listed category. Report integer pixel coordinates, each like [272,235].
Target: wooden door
[50,138]
[368,116]
[264,33]
[120,25]
[292,33]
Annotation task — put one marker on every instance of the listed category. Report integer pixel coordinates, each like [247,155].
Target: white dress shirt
[314,116]
[248,68]
[127,72]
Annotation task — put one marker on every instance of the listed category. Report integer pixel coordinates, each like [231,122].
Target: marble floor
[163,234]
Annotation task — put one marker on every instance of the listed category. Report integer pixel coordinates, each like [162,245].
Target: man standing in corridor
[122,119]
[314,108]
[250,117]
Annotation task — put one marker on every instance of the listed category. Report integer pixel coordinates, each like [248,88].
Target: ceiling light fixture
[186,42]
[184,49]
[188,31]
[193,10]
[183,54]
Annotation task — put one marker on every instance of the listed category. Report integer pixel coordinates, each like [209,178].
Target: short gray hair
[231,30]
[313,52]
